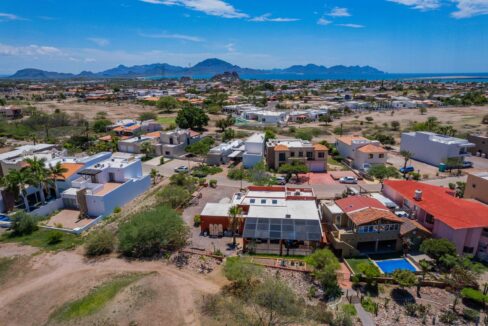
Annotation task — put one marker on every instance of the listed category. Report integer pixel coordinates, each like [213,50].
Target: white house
[433,148]
[253,150]
[266,116]
[223,153]
[108,184]
[175,141]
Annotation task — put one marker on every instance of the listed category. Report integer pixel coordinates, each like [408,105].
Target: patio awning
[89,172]
[235,154]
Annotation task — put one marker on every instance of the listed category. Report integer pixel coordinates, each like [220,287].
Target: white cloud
[351,25]
[231,47]
[9,17]
[339,12]
[174,36]
[30,50]
[99,41]
[470,8]
[210,7]
[420,4]
[323,21]
[267,18]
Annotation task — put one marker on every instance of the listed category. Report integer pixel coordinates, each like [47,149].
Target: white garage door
[316,166]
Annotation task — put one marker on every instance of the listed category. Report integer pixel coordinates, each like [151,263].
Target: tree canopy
[191,117]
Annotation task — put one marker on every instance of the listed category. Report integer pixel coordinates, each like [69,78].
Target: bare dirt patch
[52,279]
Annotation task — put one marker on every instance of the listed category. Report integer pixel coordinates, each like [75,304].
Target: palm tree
[154,174]
[56,172]
[234,214]
[15,182]
[147,149]
[38,174]
[406,156]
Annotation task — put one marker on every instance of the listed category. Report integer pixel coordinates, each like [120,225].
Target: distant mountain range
[207,67]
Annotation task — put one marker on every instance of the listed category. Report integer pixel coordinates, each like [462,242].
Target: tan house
[364,226]
[282,151]
[361,152]
[477,187]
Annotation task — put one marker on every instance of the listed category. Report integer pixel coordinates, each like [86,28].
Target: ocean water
[446,77]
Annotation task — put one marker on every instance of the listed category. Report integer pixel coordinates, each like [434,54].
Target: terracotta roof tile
[368,215]
[370,148]
[281,148]
[354,203]
[457,213]
[320,147]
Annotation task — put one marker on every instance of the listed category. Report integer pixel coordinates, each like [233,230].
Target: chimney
[418,195]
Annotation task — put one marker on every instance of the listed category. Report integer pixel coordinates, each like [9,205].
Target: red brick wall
[225,221]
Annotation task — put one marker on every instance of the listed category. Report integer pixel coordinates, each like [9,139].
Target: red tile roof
[457,213]
[368,215]
[370,148]
[354,203]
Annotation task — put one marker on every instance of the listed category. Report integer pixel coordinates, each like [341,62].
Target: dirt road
[37,285]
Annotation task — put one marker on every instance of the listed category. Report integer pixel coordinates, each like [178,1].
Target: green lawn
[166,120]
[41,237]
[354,262]
[96,299]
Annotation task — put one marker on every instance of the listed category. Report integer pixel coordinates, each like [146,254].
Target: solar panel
[286,229]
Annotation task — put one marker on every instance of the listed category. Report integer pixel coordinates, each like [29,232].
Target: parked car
[181,169]
[280,180]
[350,180]
[467,164]
[407,169]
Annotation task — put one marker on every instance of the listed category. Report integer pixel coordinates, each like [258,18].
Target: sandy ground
[39,284]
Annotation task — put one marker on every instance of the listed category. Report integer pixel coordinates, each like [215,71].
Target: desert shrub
[173,196]
[342,319]
[320,314]
[448,317]
[213,183]
[369,305]
[100,243]
[152,232]
[237,174]
[471,314]
[23,224]
[349,309]
[117,210]
[54,237]
[197,220]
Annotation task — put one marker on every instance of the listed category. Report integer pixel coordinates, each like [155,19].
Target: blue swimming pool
[388,266]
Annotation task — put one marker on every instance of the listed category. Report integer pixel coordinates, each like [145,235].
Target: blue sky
[392,35]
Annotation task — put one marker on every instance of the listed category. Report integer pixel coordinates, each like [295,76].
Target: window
[167,153]
[274,202]
[468,250]
[321,155]
[371,155]
[484,233]
[252,201]
[309,154]
[263,201]
[292,154]
[381,155]
[282,157]
[429,219]
[300,154]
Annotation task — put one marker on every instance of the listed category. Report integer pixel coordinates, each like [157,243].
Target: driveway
[423,168]
[168,168]
[209,195]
